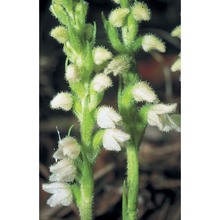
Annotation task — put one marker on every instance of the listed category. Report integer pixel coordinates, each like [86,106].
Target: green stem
[132,181]
[86,188]
[87,181]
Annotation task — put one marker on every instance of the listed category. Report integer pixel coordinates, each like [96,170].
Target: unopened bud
[118,65]
[117,17]
[62,100]
[177,32]
[143,92]
[176,66]
[101,55]
[60,34]
[101,82]
[141,12]
[72,73]
[151,42]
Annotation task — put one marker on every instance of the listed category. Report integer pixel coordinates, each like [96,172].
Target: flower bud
[120,64]
[141,12]
[69,147]
[101,55]
[101,82]
[151,42]
[143,92]
[177,32]
[117,17]
[62,100]
[107,117]
[72,73]
[62,194]
[176,66]
[60,34]
[112,139]
[63,171]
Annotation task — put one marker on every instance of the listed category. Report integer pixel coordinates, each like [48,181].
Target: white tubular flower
[62,100]
[117,17]
[141,12]
[176,32]
[101,82]
[158,116]
[151,42]
[112,139]
[60,33]
[63,171]
[72,73]
[176,66]
[101,55]
[62,194]
[69,147]
[107,117]
[118,65]
[143,92]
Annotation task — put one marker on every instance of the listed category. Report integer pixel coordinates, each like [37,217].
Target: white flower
[143,92]
[62,194]
[141,12]
[72,73]
[107,117]
[63,171]
[118,65]
[101,82]
[151,42]
[158,116]
[177,32]
[69,147]
[176,66]
[62,100]
[117,17]
[101,55]
[112,139]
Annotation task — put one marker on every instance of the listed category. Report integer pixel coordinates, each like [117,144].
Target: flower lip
[62,194]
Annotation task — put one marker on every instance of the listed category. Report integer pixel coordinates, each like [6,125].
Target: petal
[154,120]
[58,154]
[163,108]
[110,143]
[53,187]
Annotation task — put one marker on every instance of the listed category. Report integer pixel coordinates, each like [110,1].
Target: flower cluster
[63,172]
[108,118]
[158,114]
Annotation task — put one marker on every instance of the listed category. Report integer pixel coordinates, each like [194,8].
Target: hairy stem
[132,181]
[86,188]
[87,181]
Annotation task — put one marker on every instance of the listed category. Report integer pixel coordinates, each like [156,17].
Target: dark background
[159,153]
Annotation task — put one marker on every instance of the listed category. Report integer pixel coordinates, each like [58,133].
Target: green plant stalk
[129,115]
[132,181]
[87,181]
[86,189]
